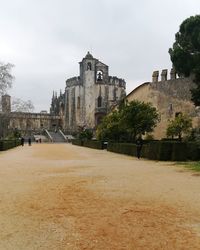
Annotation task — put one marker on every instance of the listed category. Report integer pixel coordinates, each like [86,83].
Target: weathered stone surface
[169,97]
[81,106]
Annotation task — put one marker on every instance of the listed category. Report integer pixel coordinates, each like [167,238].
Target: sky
[46,39]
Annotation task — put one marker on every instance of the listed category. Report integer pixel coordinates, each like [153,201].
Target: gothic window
[89,66]
[99,75]
[78,102]
[99,102]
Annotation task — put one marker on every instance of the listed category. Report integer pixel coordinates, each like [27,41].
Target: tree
[86,134]
[182,124]
[138,118]
[185,54]
[130,121]
[19,105]
[109,128]
[6,78]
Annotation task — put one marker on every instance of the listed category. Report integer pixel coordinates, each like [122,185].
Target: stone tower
[6,104]
[90,96]
[93,73]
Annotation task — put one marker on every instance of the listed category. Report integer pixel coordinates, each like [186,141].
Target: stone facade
[27,123]
[88,97]
[169,96]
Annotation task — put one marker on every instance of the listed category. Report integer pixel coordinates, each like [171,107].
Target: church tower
[87,78]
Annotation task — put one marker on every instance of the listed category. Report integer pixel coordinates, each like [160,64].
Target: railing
[48,134]
[63,135]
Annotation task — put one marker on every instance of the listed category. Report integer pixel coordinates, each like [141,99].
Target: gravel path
[59,196]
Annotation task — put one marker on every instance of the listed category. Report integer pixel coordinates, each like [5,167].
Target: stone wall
[30,123]
[169,97]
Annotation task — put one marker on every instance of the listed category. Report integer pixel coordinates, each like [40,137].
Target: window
[99,101]
[89,66]
[99,75]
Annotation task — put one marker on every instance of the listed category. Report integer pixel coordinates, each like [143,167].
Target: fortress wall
[169,97]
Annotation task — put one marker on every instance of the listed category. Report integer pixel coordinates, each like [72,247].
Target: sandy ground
[59,196]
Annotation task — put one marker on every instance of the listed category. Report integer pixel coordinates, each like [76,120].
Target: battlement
[74,81]
[113,80]
[164,75]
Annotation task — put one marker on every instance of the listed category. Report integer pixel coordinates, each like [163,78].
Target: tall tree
[185,53]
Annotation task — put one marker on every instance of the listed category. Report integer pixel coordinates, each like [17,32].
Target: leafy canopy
[185,53]
[181,124]
[130,121]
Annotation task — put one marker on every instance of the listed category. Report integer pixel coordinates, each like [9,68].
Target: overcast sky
[45,40]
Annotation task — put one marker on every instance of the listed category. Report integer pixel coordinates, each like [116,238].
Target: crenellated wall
[170,96]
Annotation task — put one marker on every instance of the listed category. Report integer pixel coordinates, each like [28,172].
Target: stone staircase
[56,136]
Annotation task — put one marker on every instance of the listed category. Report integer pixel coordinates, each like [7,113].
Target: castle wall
[30,123]
[169,97]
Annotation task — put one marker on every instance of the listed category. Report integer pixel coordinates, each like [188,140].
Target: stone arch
[99,75]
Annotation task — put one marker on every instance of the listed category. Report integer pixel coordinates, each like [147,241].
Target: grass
[194,166]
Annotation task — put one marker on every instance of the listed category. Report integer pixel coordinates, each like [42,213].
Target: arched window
[99,75]
[89,66]
[99,102]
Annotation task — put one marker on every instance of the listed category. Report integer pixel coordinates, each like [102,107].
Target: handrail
[49,135]
[63,135]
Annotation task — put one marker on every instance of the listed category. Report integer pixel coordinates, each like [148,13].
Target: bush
[158,150]
[7,144]
[93,144]
[193,151]
[179,152]
[77,142]
[123,148]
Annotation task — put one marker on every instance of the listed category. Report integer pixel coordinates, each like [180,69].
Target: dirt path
[58,196]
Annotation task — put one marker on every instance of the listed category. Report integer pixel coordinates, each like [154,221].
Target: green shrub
[179,152]
[193,151]
[77,142]
[165,150]
[7,144]
[122,148]
[93,144]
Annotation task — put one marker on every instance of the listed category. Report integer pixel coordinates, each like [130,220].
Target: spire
[89,56]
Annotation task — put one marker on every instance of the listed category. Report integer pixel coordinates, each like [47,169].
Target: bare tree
[6,78]
[19,105]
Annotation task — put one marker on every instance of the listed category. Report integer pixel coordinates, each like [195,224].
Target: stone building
[27,123]
[88,97]
[170,97]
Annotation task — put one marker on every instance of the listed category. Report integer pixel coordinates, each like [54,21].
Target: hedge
[160,150]
[93,144]
[88,143]
[7,144]
[154,150]
[77,142]
[122,148]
